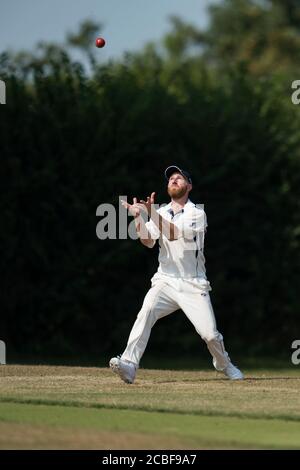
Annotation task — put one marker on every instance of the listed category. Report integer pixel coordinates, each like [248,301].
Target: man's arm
[168,229]
[143,232]
[193,224]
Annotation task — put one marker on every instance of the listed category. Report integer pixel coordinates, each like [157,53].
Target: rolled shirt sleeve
[152,229]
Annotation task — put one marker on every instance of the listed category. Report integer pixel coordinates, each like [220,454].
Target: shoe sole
[117,371]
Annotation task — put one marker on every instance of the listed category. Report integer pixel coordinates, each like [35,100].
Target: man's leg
[157,304]
[198,308]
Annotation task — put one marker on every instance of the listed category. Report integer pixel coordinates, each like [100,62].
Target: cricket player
[180,281]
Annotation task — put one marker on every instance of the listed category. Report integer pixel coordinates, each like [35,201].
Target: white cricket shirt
[184,257]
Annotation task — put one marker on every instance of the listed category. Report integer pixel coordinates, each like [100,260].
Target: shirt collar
[188,204]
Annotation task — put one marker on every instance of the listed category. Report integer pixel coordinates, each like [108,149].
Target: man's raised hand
[147,204]
[136,208]
[133,209]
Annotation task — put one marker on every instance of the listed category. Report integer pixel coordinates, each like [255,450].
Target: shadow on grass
[185,362]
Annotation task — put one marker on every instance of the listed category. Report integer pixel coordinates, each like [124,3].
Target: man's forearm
[143,233]
[168,229]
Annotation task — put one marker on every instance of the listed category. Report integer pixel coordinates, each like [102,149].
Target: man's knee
[148,312]
[212,336]
[149,307]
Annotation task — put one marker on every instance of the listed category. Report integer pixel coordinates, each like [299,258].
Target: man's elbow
[149,243]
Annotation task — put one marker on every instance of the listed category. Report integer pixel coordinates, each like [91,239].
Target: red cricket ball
[100,42]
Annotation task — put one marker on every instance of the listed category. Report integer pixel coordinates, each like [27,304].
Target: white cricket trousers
[167,295]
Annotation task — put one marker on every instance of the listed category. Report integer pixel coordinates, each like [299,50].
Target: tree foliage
[264,35]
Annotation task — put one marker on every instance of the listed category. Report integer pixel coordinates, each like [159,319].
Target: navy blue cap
[172,169]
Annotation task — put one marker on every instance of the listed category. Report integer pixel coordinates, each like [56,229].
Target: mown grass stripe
[87,405]
[216,432]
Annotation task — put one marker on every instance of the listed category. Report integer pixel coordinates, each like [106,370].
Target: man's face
[178,186]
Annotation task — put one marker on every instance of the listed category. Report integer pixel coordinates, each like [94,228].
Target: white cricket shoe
[233,373]
[126,370]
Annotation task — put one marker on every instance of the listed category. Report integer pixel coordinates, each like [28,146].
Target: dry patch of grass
[48,407]
[263,394]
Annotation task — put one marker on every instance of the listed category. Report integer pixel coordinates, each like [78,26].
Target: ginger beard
[177,192]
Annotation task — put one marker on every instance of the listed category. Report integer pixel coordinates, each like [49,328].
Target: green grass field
[58,407]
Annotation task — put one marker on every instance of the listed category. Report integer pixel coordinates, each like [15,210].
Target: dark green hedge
[70,142]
